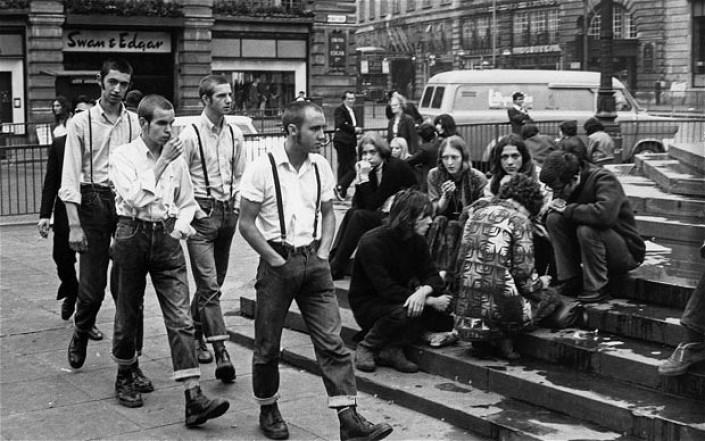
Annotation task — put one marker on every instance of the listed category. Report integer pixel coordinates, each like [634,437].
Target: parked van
[483,97]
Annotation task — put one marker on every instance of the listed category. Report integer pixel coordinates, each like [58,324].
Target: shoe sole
[226,373]
[209,415]
[364,368]
[144,389]
[274,435]
[130,404]
[377,435]
[95,337]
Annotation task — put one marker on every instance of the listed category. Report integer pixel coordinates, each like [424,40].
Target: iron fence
[23,164]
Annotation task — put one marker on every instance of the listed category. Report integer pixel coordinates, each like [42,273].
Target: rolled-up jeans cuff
[342,401]
[213,338]
[267,401]
[125,362]
[183,374]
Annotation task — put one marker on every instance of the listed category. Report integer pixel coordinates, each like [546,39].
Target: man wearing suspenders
[90,201]
[287,217]
[213,153]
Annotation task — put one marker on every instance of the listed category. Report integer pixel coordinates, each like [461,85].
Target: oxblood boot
[354,426]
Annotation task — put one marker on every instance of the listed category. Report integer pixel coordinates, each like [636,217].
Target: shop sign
[116,41]
[337,43]
[338,19]
[536,49]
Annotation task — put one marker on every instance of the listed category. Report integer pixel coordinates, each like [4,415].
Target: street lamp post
[606,108]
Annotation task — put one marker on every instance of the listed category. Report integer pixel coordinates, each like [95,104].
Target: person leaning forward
[90,202]
[155,205]
[287,217]
[213,153]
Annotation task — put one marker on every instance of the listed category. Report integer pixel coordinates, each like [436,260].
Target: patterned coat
[496,274]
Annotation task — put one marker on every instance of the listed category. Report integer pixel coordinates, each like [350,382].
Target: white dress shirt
[138,194]
[298,190]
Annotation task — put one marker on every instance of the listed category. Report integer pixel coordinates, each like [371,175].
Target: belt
[214,202]
[163,224]
[98,188]
[285,250]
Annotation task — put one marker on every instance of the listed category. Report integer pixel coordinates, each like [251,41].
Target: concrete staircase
[596,384]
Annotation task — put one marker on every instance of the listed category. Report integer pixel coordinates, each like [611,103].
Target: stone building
[50,47]
[407,41]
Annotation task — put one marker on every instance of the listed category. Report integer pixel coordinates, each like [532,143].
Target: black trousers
[357,221]
[64,256]
[346,163]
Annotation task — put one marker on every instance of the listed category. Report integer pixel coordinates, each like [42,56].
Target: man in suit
[518,115]
[344,141]
[379,176]
[63,255]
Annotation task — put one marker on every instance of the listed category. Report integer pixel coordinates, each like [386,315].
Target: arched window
[622,24]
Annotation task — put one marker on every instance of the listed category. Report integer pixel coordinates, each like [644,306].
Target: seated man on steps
[692,350]
[396,292]
[590,222]
[379,176]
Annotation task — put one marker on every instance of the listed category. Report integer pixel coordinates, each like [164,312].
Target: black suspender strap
[90,141]
[232,162]
[318,200]
[203,161]
[278,191]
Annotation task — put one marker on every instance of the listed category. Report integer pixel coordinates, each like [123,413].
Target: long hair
[403,146]
[376,140]
[528,167]
[447,124]
[408,206]
[65,112]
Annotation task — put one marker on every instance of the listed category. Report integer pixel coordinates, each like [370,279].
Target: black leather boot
[271,422]
[224,369]
[77,350]
[140,380]
[354,426]
[125,390]
[204,355]
[200,408]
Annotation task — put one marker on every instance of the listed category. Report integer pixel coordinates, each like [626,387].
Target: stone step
[675,177]
[464,404]
[659,284]
[625,408]
[671,228]
[648,200]
[692,154]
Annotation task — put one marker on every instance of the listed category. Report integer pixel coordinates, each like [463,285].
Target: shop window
[396,7]
[383,8]
[361,11]
[623,25]
[373,7]
[477,33]
[699,45]
[648,57]
[537,27]
[261,92]
[410,5]
[446,2]
[425,4]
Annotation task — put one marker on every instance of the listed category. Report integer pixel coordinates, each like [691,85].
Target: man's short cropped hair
[117,64]
[207,85]
[517,95]
[345,94]
[133,98]
[151,103]
[295,113]
[559,168]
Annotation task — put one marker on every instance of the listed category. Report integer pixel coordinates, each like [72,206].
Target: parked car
[483,96]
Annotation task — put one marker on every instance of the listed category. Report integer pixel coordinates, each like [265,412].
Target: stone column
[193,54]
[44,53]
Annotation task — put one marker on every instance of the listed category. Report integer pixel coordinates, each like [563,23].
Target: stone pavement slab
[42,398]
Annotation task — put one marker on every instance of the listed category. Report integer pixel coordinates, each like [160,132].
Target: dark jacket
[425,158]
[396,175]
[387,271]
[344,128]
[410,109]
[52,182]
[599,201]
[540,146]
[406,130]
[517,119]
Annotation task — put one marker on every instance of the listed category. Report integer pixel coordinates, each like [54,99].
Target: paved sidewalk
[42,398]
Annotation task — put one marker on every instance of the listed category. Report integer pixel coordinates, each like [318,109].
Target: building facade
[51,47]
[405,42]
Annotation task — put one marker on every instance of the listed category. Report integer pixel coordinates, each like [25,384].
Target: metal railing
[22,167]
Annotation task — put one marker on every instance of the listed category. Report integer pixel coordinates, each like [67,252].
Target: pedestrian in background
[345,141]
[287,217]
[61,108]
[132,99]
[64,257]
[426,157]
[539,145]
[155,205]
[213,151]
[445,126]
[401,124]
[399,149]
[600,148]
[518,115]
[90,201]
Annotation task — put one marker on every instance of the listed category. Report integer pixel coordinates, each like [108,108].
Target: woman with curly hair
[445,126]
[497,280]
[396,292]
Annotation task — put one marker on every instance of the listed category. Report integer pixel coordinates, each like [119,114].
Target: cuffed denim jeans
[143,248]
[209,250]
[601,251]
[693,316]
[306,278]
[97,215]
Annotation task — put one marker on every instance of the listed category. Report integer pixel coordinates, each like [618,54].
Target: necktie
[373,178]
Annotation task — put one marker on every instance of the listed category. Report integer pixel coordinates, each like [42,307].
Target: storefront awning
[370,49]
[70,73]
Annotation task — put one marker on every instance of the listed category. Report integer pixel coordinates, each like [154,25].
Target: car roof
[519,76]
[243,122]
